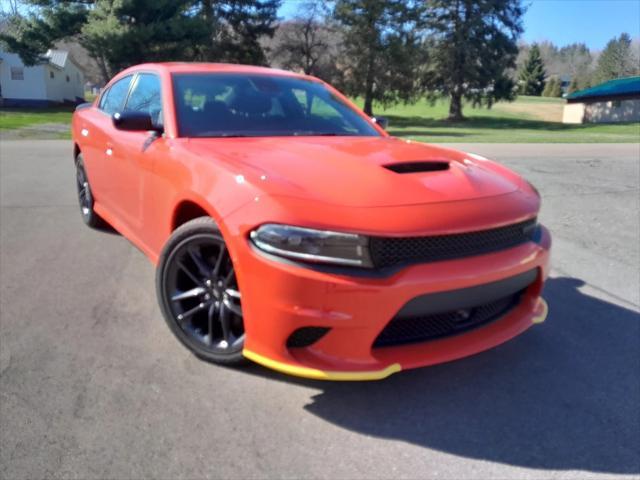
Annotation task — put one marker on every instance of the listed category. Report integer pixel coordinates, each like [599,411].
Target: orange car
[290,229]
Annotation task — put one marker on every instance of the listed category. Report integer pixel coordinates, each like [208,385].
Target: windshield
[234,105]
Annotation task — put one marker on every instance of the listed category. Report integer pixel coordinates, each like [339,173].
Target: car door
[96,130]
[132,153]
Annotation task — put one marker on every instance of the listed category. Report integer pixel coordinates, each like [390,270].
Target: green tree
[532,76]
[616,60]
[31,36]
[585,81]
[120,33]
[553,88]
[472,46]
[235,28]
[573,86]
[381,49]
[549,85]
[556,88]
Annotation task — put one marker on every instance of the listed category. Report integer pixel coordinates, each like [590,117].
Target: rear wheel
[85,196]
[198,292]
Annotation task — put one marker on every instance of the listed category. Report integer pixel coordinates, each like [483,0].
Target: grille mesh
[388,252]
[403,330]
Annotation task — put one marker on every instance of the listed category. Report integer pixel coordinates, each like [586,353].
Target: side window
[113,99]
[17,73]
[145,97]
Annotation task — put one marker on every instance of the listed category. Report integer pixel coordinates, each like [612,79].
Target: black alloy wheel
[199,294]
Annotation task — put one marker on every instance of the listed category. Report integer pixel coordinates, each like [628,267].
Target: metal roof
[57,58]
[613,88]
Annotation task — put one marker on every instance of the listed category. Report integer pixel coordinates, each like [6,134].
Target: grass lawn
[527,120]
[12,118]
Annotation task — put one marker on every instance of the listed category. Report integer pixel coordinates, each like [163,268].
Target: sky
[593,22]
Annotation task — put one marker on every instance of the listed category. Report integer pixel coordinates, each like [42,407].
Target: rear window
[233,105]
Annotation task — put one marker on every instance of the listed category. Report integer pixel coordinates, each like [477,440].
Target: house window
[67,78]
[51,74]
[17,73]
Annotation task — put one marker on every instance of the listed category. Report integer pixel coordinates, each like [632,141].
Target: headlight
[311,245]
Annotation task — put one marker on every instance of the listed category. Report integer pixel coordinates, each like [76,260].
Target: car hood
[358,171]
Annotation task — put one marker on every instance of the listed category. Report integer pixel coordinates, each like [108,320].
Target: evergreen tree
[585,81]
[532,76]
[381,49]
[573,86]
[617,60]
[472,47]
[120,33]
[553,88]
[235,28]
[556,88]
[549,85]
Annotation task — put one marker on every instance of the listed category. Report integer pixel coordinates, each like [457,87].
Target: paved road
[92,384]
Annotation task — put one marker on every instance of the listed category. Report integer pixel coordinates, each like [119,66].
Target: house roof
[620,87]
[57,58]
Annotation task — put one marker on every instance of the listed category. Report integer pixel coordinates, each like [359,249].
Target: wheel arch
[76,150]
[188,209]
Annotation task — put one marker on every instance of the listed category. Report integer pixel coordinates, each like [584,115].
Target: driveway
[93,385]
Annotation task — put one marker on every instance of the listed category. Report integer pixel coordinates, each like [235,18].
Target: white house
[57,79]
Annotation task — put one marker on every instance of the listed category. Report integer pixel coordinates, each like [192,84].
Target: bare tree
[303,43]
[10,8]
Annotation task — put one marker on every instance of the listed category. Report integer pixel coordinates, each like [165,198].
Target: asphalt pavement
[93,385]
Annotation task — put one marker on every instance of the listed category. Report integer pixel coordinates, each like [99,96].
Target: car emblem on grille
[464,314]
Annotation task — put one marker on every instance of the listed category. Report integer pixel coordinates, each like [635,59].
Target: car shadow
[563,396]
[426,133]
[402,126]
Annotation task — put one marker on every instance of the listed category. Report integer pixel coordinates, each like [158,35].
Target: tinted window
[219,105]
[145,96]
[113,99]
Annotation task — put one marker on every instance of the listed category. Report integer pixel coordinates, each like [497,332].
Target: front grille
[389,252]
[420,328]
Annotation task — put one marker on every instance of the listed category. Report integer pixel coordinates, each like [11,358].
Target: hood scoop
[417,167]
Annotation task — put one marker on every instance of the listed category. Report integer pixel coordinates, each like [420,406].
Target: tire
[198,293]
[85,196]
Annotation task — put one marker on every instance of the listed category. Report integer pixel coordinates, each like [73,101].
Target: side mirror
[383,122]
[135,122]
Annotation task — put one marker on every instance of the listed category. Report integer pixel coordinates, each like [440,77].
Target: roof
[57,58]
[194,67]
[621,87]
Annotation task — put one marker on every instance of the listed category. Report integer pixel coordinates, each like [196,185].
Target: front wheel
[198,292]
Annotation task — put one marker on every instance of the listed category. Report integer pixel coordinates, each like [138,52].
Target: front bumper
[281,297]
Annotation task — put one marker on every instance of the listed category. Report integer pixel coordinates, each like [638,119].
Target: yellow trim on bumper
[320,374]
[543,316]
